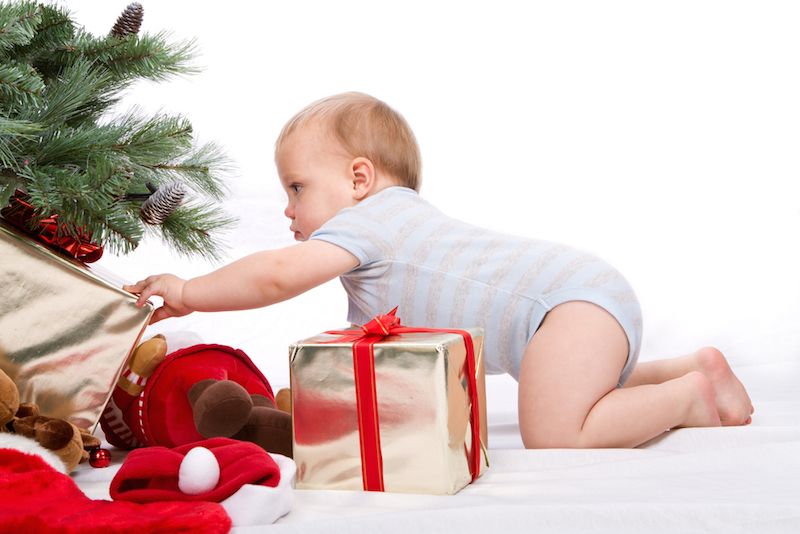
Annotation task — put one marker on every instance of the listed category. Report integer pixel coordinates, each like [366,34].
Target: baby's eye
[296,188]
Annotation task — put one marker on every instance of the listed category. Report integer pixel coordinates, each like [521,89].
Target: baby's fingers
[135,288]
[144,288]
[150,289]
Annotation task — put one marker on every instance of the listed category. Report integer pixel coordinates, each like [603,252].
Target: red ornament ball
[99,458]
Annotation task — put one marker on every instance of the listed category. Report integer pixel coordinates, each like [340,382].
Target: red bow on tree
[77,244]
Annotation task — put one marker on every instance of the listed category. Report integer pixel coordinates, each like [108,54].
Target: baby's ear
[363,175]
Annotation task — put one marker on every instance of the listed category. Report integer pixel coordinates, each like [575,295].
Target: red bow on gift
[19,212]
[376,331]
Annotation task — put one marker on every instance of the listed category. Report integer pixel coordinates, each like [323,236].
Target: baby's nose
[289,212]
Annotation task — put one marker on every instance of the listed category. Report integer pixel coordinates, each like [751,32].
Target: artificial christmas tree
[63,145]
[79,177]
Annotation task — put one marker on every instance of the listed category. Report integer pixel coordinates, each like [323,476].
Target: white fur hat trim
[29,446]
[261,505]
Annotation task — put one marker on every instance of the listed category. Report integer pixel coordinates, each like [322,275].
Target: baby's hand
[166,286]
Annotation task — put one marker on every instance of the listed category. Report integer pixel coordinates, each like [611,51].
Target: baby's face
[315,175]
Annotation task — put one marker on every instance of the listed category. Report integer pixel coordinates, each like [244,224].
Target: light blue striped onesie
[444,273]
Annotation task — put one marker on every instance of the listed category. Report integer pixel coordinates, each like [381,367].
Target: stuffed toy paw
[62,438]
[283,399]
[223,408]
[9,399]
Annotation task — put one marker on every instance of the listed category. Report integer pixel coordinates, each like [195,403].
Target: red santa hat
[253,486]
[38,497]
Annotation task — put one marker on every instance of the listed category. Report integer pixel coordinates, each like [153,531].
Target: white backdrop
[662,136]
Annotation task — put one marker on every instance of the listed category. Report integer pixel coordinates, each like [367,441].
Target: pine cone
[129,22]
[162,203]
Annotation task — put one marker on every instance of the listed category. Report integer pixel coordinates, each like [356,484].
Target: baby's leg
[567,387]
[733,403]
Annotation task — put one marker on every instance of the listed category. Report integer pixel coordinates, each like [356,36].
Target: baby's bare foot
[733,403]
[702,410]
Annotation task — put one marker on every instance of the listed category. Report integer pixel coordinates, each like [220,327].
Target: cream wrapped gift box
[65,331]
[408,428]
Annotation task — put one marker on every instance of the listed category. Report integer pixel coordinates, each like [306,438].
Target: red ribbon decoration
[367,401]
[19,212]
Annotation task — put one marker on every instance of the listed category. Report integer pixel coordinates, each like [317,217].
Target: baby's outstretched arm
[254,281]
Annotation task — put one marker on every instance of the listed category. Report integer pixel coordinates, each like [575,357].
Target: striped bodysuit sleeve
[356,231]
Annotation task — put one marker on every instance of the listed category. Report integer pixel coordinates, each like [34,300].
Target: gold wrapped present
[65,330]
[389,408]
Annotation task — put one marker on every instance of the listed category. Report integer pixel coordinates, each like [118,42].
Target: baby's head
[339,151]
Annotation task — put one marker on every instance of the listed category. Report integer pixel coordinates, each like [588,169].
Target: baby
[562,322]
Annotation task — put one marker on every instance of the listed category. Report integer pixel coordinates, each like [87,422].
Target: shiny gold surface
[65,331]
[423,409]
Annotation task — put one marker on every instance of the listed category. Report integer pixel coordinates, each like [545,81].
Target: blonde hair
[366,127]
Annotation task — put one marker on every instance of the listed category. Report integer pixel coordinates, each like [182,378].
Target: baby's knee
[711,357]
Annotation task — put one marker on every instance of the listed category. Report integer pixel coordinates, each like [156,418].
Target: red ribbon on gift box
[363,341]
[19,212]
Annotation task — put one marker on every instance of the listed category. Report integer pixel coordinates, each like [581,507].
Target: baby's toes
[735,417]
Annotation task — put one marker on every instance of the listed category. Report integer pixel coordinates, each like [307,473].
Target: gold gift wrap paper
[423,412]
[65,331]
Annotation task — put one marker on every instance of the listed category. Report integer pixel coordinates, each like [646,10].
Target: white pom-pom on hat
[199,472]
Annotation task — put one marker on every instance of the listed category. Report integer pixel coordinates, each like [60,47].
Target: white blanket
[744,479]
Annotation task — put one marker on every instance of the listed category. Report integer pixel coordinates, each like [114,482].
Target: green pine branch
[18,23]
[19,83]
[191,230]
[201,167]
[133,141]
[55,30]
[62,142]
[75,94]
[150,141]
[89,201]
[150,57]
[12,131]
[9,182]
[77,146]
